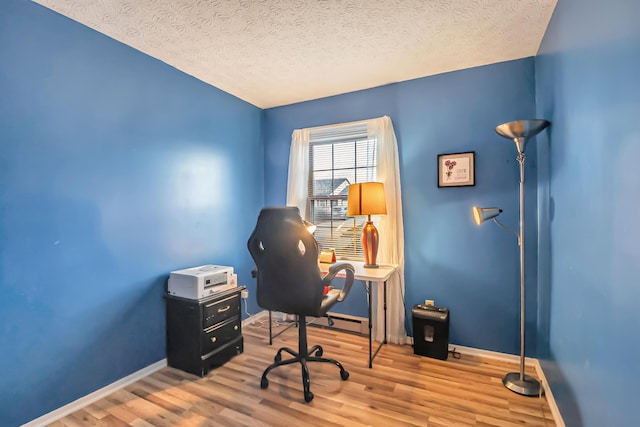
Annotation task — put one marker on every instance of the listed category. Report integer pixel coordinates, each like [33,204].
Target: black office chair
[290,281]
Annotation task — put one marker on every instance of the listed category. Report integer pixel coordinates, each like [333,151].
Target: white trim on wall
[95,396]
[557,417]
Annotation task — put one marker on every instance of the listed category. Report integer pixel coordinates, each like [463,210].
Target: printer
[200,282]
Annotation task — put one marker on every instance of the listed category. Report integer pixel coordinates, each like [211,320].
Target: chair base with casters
[302,356]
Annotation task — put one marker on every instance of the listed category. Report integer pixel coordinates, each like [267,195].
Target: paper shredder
[431,331]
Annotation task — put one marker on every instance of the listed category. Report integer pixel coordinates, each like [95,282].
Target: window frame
[351,241]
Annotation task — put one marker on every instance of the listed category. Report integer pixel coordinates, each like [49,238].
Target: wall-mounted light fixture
[481,215]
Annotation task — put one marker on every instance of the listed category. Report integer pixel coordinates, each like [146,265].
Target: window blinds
[338,157]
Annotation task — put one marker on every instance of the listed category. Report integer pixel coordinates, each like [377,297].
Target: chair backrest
[286,256]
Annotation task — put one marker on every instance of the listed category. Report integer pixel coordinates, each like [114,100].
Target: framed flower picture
[456,169]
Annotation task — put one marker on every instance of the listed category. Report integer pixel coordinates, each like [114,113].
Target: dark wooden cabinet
[203,334]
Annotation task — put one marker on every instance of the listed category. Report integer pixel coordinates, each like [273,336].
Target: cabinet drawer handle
[214,339]
[222,310]
[219,301]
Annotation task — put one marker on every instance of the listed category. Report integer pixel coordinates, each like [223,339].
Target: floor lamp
[519,131]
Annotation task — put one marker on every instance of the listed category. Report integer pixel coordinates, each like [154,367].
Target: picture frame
[457,169]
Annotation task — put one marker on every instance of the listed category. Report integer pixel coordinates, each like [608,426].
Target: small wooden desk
[369,275]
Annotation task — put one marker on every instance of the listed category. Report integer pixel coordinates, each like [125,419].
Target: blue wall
[114,170]
[472,270]
[588,86]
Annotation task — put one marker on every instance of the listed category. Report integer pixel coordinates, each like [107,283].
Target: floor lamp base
[529,386]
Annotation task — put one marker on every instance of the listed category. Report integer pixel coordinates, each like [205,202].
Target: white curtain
[298,171]
[390,227]
[391,231]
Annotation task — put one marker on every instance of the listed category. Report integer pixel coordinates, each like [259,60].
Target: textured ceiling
[277,52]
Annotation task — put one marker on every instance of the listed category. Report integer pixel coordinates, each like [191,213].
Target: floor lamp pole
[520,131]
[521,159]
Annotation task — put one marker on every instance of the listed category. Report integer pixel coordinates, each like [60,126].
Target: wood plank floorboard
[402,389]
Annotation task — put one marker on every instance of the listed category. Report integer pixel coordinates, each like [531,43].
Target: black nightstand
[203,334]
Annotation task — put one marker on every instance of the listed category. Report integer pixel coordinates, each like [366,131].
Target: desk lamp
[520,131]
[367,198]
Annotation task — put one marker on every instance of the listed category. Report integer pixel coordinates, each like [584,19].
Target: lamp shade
[481,215]
[366,198]
[521,130]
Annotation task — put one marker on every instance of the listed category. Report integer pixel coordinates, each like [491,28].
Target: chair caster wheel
[344,375]
[308,396]
[319,352]
[264,382]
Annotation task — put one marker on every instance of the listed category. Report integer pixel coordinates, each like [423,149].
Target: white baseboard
[95,396]
[557,417]
[255,318]
[488,354]
[547,391]
[117,385]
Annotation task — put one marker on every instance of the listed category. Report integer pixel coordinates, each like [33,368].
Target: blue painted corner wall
[114,170]
[474,271]
[587,84]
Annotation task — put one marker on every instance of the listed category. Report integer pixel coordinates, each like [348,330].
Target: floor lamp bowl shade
[367,198]
[521,130]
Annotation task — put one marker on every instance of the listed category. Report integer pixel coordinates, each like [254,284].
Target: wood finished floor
[402,389]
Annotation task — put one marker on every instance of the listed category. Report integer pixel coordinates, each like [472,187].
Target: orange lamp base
[370,244]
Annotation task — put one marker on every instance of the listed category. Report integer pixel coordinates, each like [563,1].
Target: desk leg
[370,323]
[270,332]
[385,312]
[384,340]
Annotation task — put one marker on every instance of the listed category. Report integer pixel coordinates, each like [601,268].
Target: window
[338,157]
[323,162]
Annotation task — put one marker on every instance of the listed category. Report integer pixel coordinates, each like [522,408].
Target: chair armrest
[348,281]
